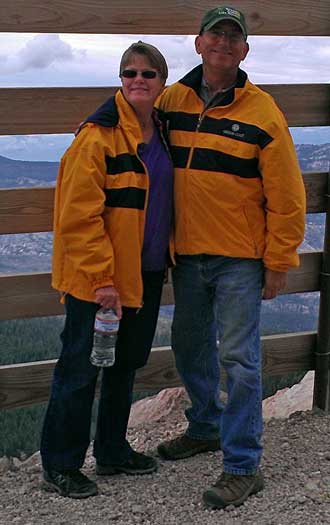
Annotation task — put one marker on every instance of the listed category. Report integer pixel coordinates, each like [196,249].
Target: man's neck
[217,81]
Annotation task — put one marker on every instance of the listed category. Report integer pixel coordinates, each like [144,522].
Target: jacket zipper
[145,212]
[196,131]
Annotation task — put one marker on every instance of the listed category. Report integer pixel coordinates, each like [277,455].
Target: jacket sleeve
[284,192]
[80,201]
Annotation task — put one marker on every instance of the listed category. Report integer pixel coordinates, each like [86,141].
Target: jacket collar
[193,79]
[116,109]
[106,115]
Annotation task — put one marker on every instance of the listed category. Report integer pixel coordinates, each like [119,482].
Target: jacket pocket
[256,227]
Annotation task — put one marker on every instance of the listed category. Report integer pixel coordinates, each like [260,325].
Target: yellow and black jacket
[100,207]
[238,187]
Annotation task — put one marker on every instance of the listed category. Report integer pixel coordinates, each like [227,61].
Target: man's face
[222,47]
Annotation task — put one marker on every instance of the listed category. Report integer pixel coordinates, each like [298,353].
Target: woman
[113,210]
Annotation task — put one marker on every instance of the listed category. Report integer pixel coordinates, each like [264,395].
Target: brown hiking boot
[231,489]
[183,447]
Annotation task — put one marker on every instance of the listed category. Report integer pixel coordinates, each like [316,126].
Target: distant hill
[313,158]
[32,251]
[21,173]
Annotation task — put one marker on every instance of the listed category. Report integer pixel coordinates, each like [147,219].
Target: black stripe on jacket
[204,159]
[236,130]
[181,121]
[179,156]
[233,129]
[125,198]
[123,162]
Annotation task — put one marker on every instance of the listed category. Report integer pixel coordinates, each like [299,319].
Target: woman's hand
[109,298]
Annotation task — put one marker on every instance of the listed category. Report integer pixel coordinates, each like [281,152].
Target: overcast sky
[92,60]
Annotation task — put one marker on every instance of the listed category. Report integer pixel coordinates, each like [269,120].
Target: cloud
[92,60]
[34,147]
[43,50]
[288,60]
[40,52]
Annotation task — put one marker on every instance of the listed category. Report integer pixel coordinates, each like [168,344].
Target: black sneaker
[137,463]
[69,483]
[184,447]
[231,489]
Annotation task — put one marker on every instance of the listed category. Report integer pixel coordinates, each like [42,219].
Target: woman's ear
[161,90]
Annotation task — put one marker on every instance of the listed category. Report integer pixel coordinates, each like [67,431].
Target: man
[239,218]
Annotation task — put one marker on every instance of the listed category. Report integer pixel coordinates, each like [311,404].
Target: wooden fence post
[322,354]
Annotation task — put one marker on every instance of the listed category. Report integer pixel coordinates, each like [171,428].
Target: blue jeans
[221,295]
[66,430]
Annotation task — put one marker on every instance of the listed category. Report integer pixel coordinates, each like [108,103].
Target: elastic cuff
[240,471]
[201,437]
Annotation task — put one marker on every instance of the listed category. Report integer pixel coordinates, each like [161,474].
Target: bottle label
[109,326]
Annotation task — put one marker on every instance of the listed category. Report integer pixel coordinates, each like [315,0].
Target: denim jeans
[218,295]
[66,430]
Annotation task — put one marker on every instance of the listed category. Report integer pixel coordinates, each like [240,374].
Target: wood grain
[31,295]
[264,17]
[60,110]
[29,210]
[29,383]
[26,210]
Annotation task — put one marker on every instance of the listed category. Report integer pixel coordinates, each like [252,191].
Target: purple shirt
[160,203]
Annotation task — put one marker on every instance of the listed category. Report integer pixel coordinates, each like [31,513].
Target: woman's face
[139,91]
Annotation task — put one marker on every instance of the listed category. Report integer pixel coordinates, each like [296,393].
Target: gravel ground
[296,466]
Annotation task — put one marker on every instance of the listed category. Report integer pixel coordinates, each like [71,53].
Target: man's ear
[197,45]
[246,50]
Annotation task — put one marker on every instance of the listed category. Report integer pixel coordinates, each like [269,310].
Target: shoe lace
[231,483]
[77,476]
[179,442]
[71,478]
[225,479]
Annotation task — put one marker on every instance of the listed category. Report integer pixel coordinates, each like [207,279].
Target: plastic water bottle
[105,337]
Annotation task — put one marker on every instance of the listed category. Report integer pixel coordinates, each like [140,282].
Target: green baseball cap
[222,12]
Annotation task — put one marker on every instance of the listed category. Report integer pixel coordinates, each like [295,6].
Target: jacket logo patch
[234,131]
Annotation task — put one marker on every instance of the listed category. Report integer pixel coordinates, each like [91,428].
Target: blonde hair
[154,56]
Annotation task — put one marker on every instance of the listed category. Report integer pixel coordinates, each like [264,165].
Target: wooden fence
[58,110]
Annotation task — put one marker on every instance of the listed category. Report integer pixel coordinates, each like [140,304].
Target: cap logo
[230,12]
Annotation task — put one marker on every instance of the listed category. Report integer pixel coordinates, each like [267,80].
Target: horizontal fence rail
[158,17]
[29,210]
[60,110]
[28,383]
[31,295]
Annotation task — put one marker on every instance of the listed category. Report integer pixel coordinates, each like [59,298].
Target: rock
[312,485]
[289,400]
[285,402]
[5,465]
[32,461]
[156,407]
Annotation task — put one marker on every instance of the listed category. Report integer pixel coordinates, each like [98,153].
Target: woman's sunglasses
[132,73]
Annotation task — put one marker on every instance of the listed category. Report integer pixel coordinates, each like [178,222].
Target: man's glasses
[232,36]
[132,73]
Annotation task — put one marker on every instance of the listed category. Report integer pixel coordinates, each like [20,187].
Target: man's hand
[109,298]
[274,282]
